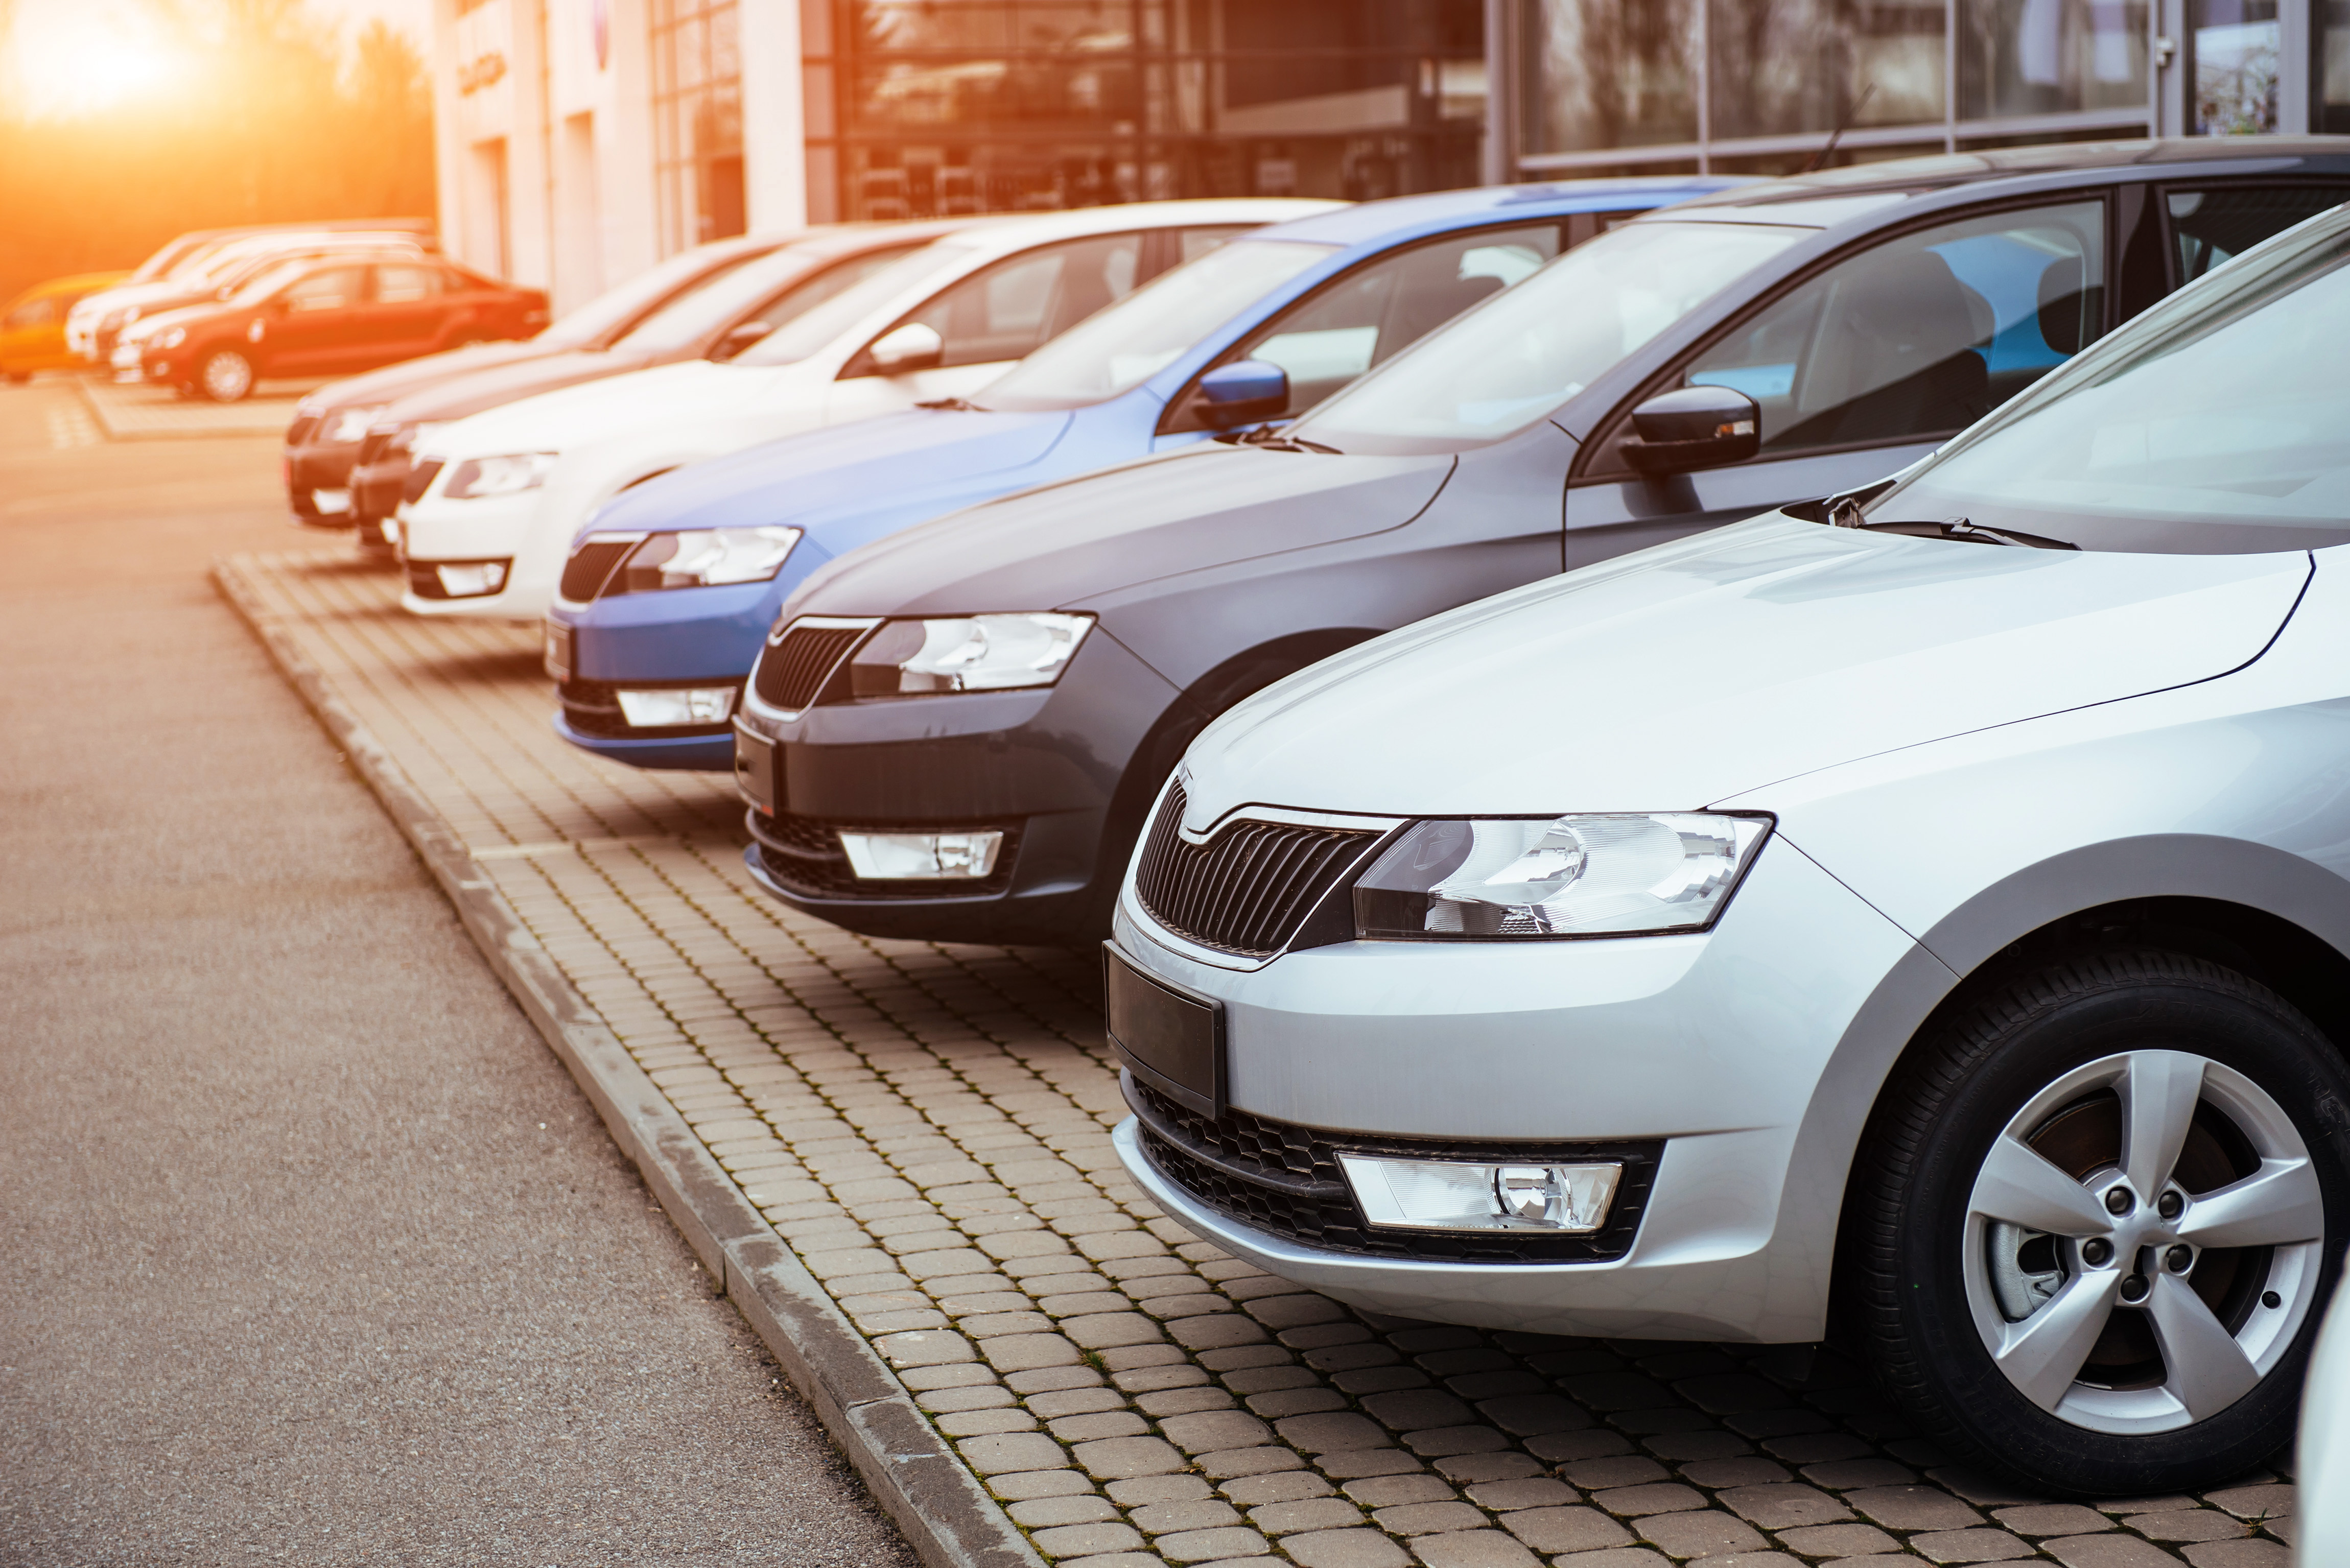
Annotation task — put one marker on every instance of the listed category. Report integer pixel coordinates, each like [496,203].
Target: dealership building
[581,141]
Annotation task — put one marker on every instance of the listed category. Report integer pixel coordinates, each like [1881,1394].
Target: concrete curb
[945,1512]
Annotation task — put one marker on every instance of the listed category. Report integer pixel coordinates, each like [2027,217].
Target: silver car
[1925,909]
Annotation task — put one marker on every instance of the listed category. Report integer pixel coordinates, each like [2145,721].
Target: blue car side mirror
[1242,393]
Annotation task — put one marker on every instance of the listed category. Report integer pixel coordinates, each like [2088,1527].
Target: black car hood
[495,386]
[396,381]
[1060,546]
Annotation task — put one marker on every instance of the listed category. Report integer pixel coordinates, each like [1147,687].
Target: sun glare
[72,57]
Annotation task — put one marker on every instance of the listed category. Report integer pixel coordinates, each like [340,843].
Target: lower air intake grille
[792,672]
[1285,1179]
[590,565]
[1246,889]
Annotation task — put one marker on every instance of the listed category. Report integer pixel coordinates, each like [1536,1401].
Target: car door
[404,317]
[315,323]
[1365,316]
[996,315]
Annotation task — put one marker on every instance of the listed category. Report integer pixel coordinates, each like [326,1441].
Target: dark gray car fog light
[1459,1195]
[922,857]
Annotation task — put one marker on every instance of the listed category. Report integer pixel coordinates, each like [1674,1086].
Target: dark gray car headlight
[1600,875]
[966,653]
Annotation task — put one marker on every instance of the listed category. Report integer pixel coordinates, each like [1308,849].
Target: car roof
[1836,193]
[1367,221]
[1016,232]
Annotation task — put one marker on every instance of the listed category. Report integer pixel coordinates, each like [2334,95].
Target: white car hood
[688,392]
[1684,675]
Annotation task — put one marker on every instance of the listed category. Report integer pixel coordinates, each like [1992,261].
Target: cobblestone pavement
[142,412]
[927,1126]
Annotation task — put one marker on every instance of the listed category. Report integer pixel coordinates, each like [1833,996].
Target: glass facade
[697,121]
[924,107]
[1763,86]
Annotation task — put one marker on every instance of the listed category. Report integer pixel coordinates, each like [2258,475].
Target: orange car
[33,331]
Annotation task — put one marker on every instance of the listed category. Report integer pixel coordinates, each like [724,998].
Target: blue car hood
[843,485]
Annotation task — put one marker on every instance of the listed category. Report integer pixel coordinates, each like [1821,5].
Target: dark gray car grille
[792,672]
[1245,890]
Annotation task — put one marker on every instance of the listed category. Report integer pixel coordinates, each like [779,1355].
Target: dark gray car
[954,733]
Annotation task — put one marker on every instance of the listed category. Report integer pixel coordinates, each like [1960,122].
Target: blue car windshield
[1122,346]
[2216,424]
[1516,358]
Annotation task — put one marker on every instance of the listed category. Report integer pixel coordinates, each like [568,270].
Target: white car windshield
[2217,423]
[600,322]
[810,334]
[1143,333]
[803,283]
[1509,361]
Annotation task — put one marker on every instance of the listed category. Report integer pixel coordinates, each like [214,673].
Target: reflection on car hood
[395,381]
[843,485]
[471,391]
[1060,546]
[1684,675]
[579,416]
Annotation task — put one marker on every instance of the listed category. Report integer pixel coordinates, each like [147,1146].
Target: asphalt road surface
[309,1250]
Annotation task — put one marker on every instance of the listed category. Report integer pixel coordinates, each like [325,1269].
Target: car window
[1003,311]
[1921,334]
[330,290]
[405,284]
[1190,244]
[2208,227]
[1362,319]
[815,329]
[31,313]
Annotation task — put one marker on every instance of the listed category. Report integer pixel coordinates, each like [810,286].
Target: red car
[326,317]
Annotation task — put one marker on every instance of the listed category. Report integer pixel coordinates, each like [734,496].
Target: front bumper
[498,528]
[1047,765]
[679,637]
[1742,1052]
[313,470]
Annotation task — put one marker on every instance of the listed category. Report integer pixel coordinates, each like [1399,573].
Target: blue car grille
[590,567]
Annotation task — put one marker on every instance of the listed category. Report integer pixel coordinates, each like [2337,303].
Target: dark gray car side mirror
[1242,393]
[1694,428]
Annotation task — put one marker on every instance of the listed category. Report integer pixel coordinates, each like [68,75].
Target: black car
[954,733]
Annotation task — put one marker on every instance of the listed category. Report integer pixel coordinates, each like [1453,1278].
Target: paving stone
[1209,1430]
[1215,1331]
[1913,1508]
[1426,1518]
[977,1423]
[1141,1491]
[1783,1507]
[1105,1330]
[1444,1441]
[1569,1448]
[1534,1415]
[1114,1458]
[1195,1513]
[979,1396]
[1021,1352]
[1968,1546]
[1982,1490]
[1010,1452]
[992,1326]
[1227,1464]
[1182,1402]
[1292,1486]
[1101,1424]
[1472,1549]
[1635,1501]
[1528,1491]
[1469,1469]
[1621,1557]
[1211,1545]
[1630,1470]
[1702,1532]
[2051,1519]
[1355,1463]
[2189,1524]
[1387,1491]
[1044,1512]
[924,1349]
[1059,1402]
[1848,1475]
[1550,1530]
[2253,1502]
[2239,1554]
[2107,1552]
[963,1374]
[1332,1433]
[1345,1548]
[1838,1541]
[1145,1379]
[1049,1379]
[1280,1312]
[1283,1402]
[1074,1540]
[1749,1470]
[1306,1513]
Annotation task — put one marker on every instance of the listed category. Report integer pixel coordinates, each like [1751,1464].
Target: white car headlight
[1586,876]
[169,338]
[967,653]
[707,557]
[478,478]
[349,426]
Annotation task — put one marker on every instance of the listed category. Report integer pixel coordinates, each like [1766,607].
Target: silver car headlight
[966,653]
[707,557]
[1603,875]
[349,426]
[479,478]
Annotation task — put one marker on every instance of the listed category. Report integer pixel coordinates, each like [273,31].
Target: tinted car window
[2210,226]
[1007,310]
[330,290]
[1362,319]
[405,284]
[1924,334]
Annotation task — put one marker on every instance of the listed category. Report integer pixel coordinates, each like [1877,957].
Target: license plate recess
[1170,1038]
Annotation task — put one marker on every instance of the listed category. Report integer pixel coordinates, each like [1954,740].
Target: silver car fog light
[922,857]
[1459,1195]
[1615,873]
[471,579]
[687,705]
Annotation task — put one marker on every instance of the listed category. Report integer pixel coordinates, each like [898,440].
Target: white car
[509,489]
[1925,910]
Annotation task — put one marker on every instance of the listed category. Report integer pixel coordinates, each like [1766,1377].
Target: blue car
[668,595]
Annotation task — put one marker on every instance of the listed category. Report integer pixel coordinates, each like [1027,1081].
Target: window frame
[1599,459]
[2162,191]
[861,364]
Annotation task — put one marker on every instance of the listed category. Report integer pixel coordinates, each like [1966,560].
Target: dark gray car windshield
[1142,334]
[1519,356]
[2217,423]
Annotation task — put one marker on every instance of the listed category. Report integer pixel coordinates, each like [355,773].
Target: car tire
[2095,1223]
[225,376]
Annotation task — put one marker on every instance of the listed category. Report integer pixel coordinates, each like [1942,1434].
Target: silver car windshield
[1518,357]
[811,333]
[2217,423]
[1122,346]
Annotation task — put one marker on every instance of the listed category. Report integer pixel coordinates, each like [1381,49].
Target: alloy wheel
[227,376]
[2143,1241]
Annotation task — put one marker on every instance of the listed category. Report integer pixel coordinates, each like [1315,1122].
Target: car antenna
[1852,110]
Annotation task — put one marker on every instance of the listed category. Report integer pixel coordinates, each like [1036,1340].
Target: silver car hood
[1684,675]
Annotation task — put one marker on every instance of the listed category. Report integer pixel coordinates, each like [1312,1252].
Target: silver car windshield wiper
[1847,514]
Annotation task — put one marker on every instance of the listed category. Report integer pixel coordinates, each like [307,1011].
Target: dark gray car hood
[1060,546]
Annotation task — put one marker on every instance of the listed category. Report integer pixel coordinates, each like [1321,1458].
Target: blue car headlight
[706,558]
